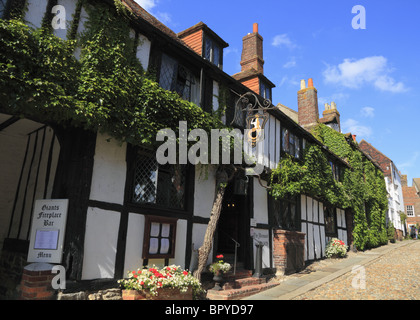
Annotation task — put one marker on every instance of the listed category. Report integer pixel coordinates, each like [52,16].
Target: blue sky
[372,74]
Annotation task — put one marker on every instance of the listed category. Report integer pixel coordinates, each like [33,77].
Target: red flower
[185,273]
[168,269]
[159,284]
[220,256]
[141,283]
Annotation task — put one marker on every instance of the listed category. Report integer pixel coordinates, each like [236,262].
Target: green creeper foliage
[105,90]
[361,188]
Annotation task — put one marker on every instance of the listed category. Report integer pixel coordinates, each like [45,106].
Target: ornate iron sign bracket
[256,115]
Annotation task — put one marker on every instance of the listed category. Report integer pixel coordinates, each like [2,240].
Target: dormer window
[265,91]
[212,51]
[205,42]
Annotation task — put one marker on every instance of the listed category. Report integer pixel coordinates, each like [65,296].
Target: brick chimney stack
[252,51]
[308,113]
[404,180]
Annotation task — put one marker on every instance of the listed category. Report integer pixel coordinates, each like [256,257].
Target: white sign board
[47,231]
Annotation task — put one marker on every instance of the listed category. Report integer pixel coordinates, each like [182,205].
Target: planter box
[163,294]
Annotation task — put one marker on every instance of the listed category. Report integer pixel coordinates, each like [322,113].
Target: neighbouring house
[412,204]
[125,210]
[393,185]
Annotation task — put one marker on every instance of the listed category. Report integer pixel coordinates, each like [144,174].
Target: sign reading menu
[47,231]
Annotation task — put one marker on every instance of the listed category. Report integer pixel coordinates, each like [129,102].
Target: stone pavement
[390,272]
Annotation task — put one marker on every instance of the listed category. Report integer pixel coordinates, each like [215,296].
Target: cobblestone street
[393,276]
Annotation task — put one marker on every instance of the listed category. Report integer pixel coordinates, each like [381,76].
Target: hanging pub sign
[256,124]
[47,230]
[256,116]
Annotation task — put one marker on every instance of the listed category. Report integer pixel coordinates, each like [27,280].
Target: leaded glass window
[176,77]
[212,51]
[285,213]
[291,143]
[330,221]
[163,185]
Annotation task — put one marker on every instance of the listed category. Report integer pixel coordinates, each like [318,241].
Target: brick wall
[288,251]
[411,198]
[308,113]
[252,52]
[36,282]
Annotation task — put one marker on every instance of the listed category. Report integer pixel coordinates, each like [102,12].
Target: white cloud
[164,17]
[411,162]
[281,40]
[147,4]
[368,112]
[356,128]
[357,73]
[290,64]
[289,81]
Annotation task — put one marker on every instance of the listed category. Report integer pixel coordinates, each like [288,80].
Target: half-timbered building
[125,209]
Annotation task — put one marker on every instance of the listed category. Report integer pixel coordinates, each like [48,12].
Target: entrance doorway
[233,227]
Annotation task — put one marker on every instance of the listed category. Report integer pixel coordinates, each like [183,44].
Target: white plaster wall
[134,242]
[100,244]
[143,51]
[198,232]
[204,190]
[260,202]
[322,227]
[180,243]
[109,171]
[80,28]
[215,96]
[70,7]
[35,12]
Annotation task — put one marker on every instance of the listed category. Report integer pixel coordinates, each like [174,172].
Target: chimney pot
[310,83]
[255,27]
[302,84]
[333,106]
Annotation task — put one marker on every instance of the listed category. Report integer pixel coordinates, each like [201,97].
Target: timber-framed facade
[125,210]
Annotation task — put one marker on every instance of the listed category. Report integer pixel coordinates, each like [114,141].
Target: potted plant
[167,283]
[336,249]
[218,269]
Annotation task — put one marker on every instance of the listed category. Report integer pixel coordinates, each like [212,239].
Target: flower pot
[218,279]
[163,294]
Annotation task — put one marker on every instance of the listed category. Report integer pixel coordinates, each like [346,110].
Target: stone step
[243,282]
[239,274]
[239,293]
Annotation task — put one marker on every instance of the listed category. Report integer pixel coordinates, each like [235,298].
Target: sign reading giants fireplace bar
[47,231]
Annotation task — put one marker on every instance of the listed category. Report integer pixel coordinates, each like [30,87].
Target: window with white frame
[410,211]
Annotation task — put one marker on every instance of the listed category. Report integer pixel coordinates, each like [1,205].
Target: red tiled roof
[143,14]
